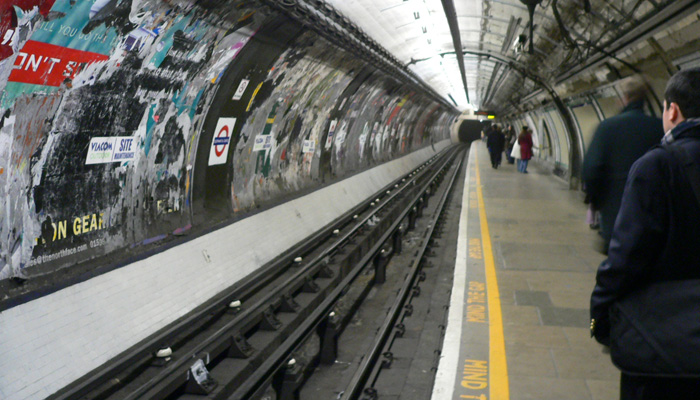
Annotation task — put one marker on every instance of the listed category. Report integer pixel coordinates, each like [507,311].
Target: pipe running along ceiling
[598,40]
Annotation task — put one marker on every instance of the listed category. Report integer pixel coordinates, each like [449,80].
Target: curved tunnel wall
[124,124]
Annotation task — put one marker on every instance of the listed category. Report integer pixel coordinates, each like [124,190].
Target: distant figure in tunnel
[617,143]
[525,142]
[485,132]
[645,304]
[510,141]
[495,142]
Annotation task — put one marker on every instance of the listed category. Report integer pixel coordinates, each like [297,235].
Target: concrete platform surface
[525,269]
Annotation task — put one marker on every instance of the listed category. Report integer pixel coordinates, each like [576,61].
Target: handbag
[655,330]
[515,153]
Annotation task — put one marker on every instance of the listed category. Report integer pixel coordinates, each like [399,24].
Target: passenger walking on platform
[617,143]
[515,152]
[495,143]
[646,302]
[486,132]
[510,141]
[525,142]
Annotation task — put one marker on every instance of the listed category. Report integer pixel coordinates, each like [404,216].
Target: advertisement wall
[127,124]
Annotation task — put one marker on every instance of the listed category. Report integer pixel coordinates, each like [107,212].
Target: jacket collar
[688,128]
[634,106]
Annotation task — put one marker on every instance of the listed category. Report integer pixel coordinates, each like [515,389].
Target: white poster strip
[331,132]
[309,146]
[262,142]
[124,149]
[103,150]
[100,150]
[241,89]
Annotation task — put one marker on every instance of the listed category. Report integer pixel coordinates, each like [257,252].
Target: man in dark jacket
[656,237]
[495,142]
[617,143]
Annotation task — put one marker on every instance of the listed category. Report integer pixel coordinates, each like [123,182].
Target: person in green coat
[617,143]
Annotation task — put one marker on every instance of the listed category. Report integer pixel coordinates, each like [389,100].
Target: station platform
[518,319]
[518,324]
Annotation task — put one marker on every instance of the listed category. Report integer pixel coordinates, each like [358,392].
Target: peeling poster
[331,132]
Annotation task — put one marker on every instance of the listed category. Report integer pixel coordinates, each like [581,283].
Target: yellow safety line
[498,369]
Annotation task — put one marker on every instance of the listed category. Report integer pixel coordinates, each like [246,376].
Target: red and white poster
[221,140]
[46,64]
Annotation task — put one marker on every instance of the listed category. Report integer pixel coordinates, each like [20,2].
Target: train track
[264,337]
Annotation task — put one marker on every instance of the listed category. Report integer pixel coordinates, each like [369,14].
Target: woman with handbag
[525,145]
[646,302]
[515,153]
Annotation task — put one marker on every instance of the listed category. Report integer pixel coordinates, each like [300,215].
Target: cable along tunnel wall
[125,124]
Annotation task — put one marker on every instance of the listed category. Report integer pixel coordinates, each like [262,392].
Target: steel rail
[142,353]
[274,362]
[368,364]
[242,290]
[247,314]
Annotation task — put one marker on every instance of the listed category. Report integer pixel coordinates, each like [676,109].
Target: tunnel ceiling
[571,38]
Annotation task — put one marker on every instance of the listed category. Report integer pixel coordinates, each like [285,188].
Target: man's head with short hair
[683,89]
[634,88]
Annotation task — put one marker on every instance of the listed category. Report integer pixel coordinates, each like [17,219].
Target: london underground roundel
[221,140]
